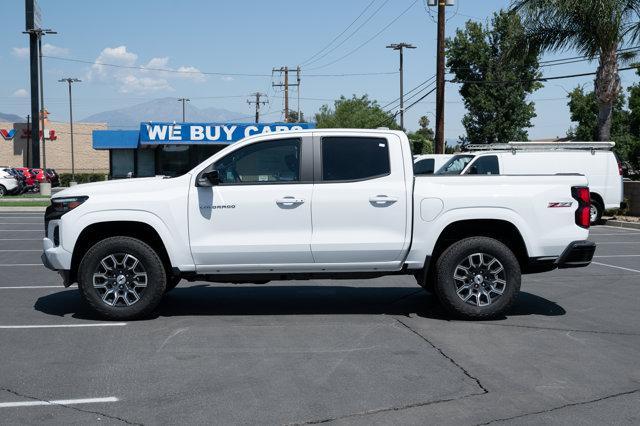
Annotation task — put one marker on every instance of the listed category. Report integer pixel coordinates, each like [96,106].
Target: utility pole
[440,145]
[183,100]
[286,86]
[70,80]
[258,102]
[400,47]
[298,90]
[37,108]
[28,164]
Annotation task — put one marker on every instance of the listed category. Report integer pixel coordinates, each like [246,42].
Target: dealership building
[14,141]
[173,148]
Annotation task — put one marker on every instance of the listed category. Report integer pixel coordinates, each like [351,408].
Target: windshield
[455,165]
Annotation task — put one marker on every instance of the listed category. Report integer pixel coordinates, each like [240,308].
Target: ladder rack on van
[542,146]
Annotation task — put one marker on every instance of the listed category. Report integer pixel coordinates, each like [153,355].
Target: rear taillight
[583,213]
[620,168]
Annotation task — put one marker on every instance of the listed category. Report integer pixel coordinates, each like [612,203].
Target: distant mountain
[163,109]
[11,118]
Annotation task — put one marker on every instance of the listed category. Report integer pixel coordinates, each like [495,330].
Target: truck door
[359,207]
[258,217]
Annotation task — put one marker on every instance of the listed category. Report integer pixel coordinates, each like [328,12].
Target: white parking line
[30,286]
[58,402]
[622,229]
[621,234]
[21,264]
[618,242]
[102,324]
[617,267]
[620,255]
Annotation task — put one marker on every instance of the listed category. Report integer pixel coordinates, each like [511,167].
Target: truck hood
[120,186]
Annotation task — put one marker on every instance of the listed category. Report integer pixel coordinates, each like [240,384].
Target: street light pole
[36,39]
[399,47]
[183,100]
[70,80]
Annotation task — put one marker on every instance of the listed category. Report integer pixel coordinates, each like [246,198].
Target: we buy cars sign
[208,133]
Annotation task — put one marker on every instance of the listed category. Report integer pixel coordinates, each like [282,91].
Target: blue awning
[115,139]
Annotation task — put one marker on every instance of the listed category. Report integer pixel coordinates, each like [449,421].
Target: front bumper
[577,254]
[55,257]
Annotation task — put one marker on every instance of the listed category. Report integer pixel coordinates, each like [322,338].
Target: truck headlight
[62,205]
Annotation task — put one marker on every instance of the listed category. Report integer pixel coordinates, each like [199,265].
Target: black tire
[595,219]
[149,298]
[172,282]
[3,191]
[447,288]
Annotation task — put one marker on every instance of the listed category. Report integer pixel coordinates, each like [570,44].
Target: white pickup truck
[323,203]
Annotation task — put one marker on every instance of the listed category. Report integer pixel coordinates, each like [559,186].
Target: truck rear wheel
[595,214]
[477,278]
[122,278]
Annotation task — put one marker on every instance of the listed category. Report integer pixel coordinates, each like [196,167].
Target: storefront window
[173,160]
[146,163]
[122,163]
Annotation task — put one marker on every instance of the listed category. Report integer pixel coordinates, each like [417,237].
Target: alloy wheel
[120,279]
[480,279]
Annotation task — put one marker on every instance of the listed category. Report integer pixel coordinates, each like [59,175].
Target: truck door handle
[380,200]
[289,201]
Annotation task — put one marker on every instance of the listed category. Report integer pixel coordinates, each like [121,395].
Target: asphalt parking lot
[350,352]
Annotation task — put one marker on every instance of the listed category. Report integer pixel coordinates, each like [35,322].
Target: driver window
[269,161]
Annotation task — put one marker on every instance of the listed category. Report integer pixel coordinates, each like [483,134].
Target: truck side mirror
[209,178]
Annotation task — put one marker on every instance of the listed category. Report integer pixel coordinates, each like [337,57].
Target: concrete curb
[18,209]
[623,224]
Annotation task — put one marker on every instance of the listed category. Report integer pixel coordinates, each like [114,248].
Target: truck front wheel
[122,278]
[477,278]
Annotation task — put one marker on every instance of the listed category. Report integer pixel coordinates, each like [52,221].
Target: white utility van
[595,160]
[428,164]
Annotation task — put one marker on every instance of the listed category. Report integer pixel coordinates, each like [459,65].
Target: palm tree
[596,29]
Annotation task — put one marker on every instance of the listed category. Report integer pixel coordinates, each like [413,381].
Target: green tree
[495,82]
[596,29]
[625,129]
[422,139]
[583,108]
[357,112]
[293,117]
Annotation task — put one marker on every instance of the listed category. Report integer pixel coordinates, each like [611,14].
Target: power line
[369,39]
[339,35]
[177,71]
[350,35]
[557,77]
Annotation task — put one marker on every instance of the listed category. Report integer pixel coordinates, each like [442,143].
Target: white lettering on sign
[229,131]
[266,129]
[175,133]
[213,136]
[157,132]
[197,133]
[249,130]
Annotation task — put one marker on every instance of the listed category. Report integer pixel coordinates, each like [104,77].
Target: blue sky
[249,37]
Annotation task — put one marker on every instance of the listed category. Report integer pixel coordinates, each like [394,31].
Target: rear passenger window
[487,165]
[424,167]
[353,158]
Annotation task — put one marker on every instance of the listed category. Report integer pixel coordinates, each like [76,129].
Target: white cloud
[154,76]
[20,52]
[20,93]
[51,50]
[226,78]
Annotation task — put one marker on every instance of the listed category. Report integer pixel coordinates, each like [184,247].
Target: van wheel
[477,278]
[122,278]
[3,191]
[596,211]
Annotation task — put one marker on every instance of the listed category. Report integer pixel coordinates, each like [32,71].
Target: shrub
[65,178]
